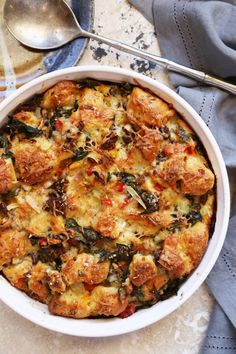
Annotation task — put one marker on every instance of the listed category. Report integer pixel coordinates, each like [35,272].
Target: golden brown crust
[183,251]
[142,268]
[19,272]
[38,282]
[187,173]
[13,243]
[149,143]
[85,268]
[62,94]
[107,301]
[34,164]
[146,109]
[8,179]
[73,303]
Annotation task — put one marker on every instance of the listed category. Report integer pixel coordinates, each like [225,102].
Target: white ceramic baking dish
[37,312]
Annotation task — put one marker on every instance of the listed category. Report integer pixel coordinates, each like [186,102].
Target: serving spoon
[49,24]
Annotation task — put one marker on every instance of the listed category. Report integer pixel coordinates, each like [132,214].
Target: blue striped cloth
[202,35]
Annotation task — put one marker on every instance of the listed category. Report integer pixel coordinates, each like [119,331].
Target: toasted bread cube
[7,176]
[144,108]
[142,268]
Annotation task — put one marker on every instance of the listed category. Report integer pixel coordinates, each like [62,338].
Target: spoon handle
[167,64]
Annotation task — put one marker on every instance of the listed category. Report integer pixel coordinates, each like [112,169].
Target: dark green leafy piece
[137,292]
[15,126]
[200,149]
[90,83]
[126,177]
[80,154]
[50,253]
[85,235]
[123,252]
[175,226]
[67,112]
[194,216]
[156,294]
[151,201]
[102,254]
[122,293]
[184,136]
[172,288]
[72,224]
[4,144]
[90,234]
[12,193]
[126,89]
[161,157]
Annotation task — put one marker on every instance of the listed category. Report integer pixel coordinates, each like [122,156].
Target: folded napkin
[201,34]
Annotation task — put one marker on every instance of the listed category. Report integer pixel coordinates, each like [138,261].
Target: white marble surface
[182,331]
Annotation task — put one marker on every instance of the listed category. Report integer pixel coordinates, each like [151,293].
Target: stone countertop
[182,331]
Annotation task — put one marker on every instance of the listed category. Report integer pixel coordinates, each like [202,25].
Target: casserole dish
[37,312]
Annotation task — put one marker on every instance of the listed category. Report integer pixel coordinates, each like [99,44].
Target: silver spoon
[49,24]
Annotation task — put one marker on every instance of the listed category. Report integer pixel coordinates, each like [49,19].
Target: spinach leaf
[161,157]
[175,226]
[138,294]
[172,288]
[15,126]
[66,112]
[184,136]
[4,144]
[194,214]
[50,253]
[126,89]
[80,154]
[12,193]
[127,178]
[123,253]
[151,201]
[102,254]
[85,235]
[90,83]
[90,234]
[72,224]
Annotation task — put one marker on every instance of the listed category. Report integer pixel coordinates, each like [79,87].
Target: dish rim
[37,312]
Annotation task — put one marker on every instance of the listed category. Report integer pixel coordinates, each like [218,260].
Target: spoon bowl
[41,24]
[47,24]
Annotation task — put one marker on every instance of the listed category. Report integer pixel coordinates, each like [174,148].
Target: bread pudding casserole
[107,199]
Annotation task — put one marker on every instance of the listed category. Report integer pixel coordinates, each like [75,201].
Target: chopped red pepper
[190,150]
[158,187]
[130,309]
[20,283]
[89,171]
[43,242]
[58,125]
[89,287]
[60,170]
[125,202]
[120,187]
[107,201]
